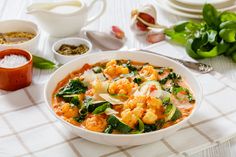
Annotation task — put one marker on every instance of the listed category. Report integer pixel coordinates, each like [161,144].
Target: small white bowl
[122,139]
[71,41]
[20,26]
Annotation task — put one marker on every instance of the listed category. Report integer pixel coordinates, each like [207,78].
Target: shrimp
[154,103]
[113,70]
[69,111]
[121,86]
[129,118]
[95,123]
[148,72]
[135,101]
[150,117]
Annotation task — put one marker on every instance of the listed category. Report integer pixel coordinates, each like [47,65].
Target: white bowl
[122,139]
[71,41]
[20,26]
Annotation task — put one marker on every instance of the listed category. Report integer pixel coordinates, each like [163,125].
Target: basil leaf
[73,87]
[210,15]
[42,63]
[227,16]
[180,27]
[108,130]
[234,57]
[137,80]
[228,35]
[102,108]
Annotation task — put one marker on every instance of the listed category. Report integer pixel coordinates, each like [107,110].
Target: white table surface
[118,13]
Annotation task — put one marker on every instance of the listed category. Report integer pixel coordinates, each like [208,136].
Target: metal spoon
[106,42]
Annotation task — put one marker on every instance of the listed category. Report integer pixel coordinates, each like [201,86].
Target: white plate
[163,4]
[122,139]
[202,2]
[196,9]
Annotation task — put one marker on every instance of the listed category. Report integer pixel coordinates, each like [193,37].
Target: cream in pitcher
[62,19]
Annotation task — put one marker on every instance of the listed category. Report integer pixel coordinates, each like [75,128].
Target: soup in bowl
[123,98]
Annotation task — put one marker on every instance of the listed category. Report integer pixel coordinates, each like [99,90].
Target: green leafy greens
[214,36]
[74,86]
[42,63]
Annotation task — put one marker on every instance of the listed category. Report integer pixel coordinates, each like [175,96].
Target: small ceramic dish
[17,77]
[70,41]
[20,26]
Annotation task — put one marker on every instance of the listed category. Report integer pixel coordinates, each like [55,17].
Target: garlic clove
[150,10]
[155,36]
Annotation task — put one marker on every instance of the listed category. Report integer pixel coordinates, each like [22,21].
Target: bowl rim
[36,29]
[29,61]
[59,42]
[197,105]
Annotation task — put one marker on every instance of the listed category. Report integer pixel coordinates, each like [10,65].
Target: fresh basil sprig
[42,63]
[213,36]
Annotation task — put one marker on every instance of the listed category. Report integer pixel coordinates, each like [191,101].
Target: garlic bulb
[143,19]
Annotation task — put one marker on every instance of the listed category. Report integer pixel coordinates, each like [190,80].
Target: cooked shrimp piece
[95,123]
[129,118]
[138,111]
[135,101]
[69,111]
[121,86]
[148,72]
[163,75]
[113,70]
[150,117]
[154,103]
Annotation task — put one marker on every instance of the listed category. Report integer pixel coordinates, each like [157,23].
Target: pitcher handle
[102,10]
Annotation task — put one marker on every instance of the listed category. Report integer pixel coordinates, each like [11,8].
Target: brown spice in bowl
[15,37]
[66,49]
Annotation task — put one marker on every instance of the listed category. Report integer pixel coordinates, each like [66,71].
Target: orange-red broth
[129,111]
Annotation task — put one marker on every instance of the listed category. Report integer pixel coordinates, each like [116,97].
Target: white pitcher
[64,24]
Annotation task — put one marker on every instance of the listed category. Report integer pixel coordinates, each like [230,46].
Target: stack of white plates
[193,8]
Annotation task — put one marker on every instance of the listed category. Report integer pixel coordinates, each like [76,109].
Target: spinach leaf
[73,87]
[172,76]
[130,66]
[109,129]
[231,49]
[82,114]
[137,80]
[177,37]
[234,57]
[228,25]
[227,16]
[42,63]
[212,36]
[223,47]
[166,101]
[73,99]
[210,15]
[91,106]
[160,123]
[228,35]
[180,27]
[102,108]
[150,127]
[190,50]
[80,119]
[208,53]
[140,127]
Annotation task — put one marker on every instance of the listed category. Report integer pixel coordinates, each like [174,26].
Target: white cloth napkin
[27,128]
